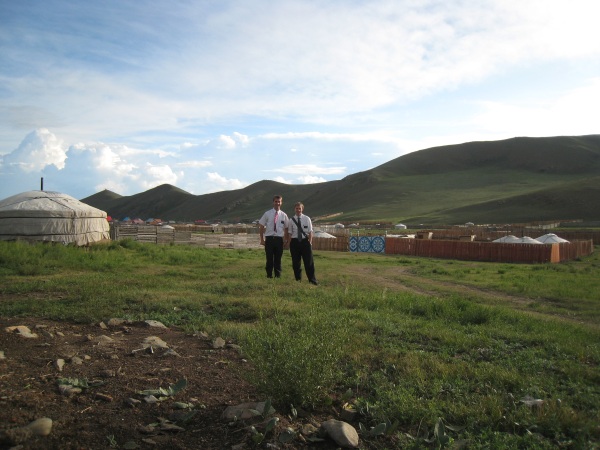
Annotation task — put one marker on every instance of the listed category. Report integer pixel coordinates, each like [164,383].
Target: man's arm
[261,232]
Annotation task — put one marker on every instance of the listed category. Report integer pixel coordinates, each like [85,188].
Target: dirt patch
[117,370]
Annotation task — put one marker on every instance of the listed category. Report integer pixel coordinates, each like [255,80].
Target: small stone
[60,333]
[40,427]
[76,360]
[114,322]
[102,325]
[246,411]
[59,364]
[150,399]
[102,339]
[172,353]
[108,373]
[218,343]
[2,354]
[154,324]
[342,433]
[68,390]
[22,331]
[154,341]
[104,397]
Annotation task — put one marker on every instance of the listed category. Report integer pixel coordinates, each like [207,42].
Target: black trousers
[301,252]
[273,251]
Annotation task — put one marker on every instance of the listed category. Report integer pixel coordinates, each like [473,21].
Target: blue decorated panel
[367,244]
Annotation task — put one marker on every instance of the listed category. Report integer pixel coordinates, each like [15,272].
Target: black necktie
[299,229]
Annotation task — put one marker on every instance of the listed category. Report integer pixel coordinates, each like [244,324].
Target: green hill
[514,180]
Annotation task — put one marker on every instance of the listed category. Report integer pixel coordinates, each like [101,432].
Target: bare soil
[101,416]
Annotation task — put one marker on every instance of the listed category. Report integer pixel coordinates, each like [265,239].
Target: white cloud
[308,179]
[39,149]
[226,142]
[103,158]
[220,183]
[242,139]
[157,175]
[573,113]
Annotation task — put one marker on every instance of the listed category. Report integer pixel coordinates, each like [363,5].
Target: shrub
[296,359]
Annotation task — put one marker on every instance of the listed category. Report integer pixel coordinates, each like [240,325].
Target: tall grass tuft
[297,358]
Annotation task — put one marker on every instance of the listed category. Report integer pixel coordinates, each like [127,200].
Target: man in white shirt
[299,235]
[272,231]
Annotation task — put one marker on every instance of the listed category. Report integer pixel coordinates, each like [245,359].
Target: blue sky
[214,95]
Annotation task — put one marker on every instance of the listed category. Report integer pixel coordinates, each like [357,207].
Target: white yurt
[400,226]
[550,238]
[509,239]
[323,234]
[51,216]
[527,240]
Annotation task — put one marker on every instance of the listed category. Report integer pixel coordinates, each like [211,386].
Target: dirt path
[401,279]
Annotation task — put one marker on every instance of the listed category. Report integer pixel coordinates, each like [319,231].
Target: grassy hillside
[514,180]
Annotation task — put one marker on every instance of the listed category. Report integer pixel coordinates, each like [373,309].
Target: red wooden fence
[489,251]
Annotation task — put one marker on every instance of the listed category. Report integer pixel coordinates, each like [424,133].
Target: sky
[213,95]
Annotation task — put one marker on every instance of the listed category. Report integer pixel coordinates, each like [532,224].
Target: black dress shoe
[314,282]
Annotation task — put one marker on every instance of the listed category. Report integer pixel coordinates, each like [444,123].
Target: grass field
[503,355]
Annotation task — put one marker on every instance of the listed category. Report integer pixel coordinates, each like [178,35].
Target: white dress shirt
[268,221]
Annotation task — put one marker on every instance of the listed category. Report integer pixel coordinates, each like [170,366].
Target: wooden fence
[340,244]
[489,251]
[200,237]
[484,234]
[433,248]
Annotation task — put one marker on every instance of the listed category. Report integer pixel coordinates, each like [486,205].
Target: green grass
[412,340]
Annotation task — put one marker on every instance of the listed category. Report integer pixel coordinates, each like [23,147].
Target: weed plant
[507,355]
[297,355]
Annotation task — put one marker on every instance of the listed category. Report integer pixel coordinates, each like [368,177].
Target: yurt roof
[527,240]
[323,234]
[550,238]
[509,239]
[46,204]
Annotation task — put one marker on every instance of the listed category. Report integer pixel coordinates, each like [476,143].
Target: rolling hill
[514,180]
